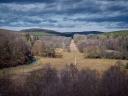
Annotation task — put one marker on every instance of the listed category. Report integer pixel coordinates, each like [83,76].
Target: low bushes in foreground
[126,66]
[69,82]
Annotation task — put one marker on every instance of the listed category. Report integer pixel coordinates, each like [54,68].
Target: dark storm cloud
[64,13]
[119,18]
[27,1]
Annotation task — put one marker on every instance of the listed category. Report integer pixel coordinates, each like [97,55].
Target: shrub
[58,52]
[69,82]
[126,66]
[118,46]
[4,86]
[38,48]
[114,82]
[43,82]
[93,52]
[50,52]
[14,50]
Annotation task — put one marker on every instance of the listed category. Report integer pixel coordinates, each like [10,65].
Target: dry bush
[70,82]
[4,86]
[43,82]
[14,50]
[59,52]
[114,82]
[93,52]
[126,66]
[50,52]
[117,45]
[57,41]
[42,49]
[38,48]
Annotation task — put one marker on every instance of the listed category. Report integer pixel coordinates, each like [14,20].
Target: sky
[64,15]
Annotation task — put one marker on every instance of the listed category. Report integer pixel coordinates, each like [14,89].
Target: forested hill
[84,33]
[45,32]
[117,33]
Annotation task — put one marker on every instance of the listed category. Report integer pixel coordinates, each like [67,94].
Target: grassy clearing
[82,63]
[59,63]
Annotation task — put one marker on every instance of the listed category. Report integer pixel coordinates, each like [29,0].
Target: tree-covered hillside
[117,33]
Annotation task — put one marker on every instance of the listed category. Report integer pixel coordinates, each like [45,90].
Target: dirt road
[73,47]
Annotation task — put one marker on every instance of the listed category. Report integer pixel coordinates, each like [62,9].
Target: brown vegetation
[69,82]
[38,48]
[46,50]
[111,48]
[14,50]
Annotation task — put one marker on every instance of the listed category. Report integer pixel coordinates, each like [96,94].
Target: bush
[50,52]
[114,82]
[118,47]
[43,82]
[38,48]
[93,52]
[69,82]
[14,50]
[126,66]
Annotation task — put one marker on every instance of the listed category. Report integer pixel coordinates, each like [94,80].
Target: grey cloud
[59,13]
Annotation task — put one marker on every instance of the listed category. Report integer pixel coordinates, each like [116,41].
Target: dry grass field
[81,62]
[59,63]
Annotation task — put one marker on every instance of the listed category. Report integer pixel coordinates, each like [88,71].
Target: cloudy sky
[64,15]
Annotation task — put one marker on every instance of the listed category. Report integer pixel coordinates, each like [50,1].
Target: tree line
[102,46]
[14,50]
[21,48]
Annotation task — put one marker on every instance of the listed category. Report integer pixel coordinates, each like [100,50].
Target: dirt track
[73,47]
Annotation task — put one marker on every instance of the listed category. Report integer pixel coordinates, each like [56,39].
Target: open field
[82,63]
[59,63]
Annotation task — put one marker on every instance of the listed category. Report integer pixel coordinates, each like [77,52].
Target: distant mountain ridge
[85,33]
[52,32]
[46,32]
[38,30]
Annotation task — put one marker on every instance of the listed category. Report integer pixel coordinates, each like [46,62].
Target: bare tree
[14,50]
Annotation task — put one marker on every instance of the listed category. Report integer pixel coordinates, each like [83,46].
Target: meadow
[68,58]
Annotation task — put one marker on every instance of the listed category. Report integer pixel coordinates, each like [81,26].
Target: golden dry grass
[82,63]
[59,63]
